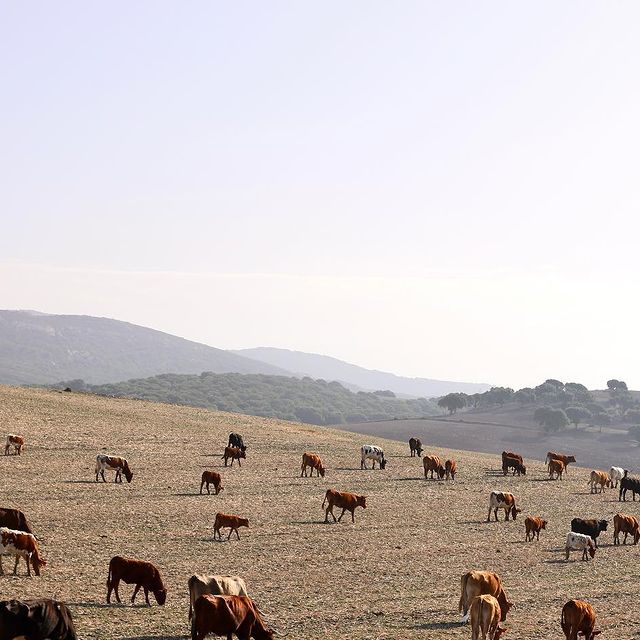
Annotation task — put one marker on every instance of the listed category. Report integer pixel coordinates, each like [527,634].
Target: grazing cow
[17,442]
[200,585]
[510,454]
[616,474]
[20,545]
[14,519]
[343,500]
[532,527]
[36,619]
[515,464]
[416,447]
[311,460]
[451,468]
[485,618]
[502,500]
[578,619]
[598,478]
[236,441]
[558,467]
[552,455]
[229,615]
[234,453]
[580,542]
[629,484]
[211,477]
[627,525]
[433,463]
[113,462]
[224,520]
[590,528]
[142,574]
[476,583]
[373,453]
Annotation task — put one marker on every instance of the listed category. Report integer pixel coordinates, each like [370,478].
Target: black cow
[589,527]
[415,446]
[36,620]
[632,484]
[515,464]
[14,519]
[235,440]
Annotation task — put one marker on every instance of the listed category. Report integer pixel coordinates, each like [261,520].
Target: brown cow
[21,545]
[477,583]
[14,519]
[17,442]
[224,520]
[596,478]
[510,454]
[485,618]
[415,446]
[234,453]
[578,618]
[502,500]
[558,467]
[433,463]
[211,477]
[342,500]
[515,464]
[451,468]
[142,574]
[625,524]
[532,527]
[226,616]
[552,455]
[311,460]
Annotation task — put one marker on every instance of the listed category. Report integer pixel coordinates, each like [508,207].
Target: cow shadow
[97,605]
[437,626]
[84,482]
[309,522]
[155,637]
[543,480]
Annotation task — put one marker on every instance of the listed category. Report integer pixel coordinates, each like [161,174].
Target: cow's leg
[146,595]
[237,534]
[626,533]
[566,550]
[489,515]
[353,518]
[102,474]
[538,535]
[97,472]
[135,593]
[116,585]
[340,516]
[15,566]
[506,515]
[230,532]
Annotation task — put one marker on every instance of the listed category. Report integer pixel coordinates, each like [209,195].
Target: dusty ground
[394,574]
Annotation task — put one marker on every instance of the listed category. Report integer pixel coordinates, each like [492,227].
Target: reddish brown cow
[511,454]
[226,616]
[20,545]
[342,500]
[476,583]
[14,519]
[211,477]
[224,520]
[578,618]
[311,460]
[558,467]
[234,453]
[17,442]
[552,455]
[433,463]
[625,524]
[451,468]
[532,527]
[143,574]
[485,618]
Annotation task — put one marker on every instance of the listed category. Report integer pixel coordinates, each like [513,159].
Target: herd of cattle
[220,605]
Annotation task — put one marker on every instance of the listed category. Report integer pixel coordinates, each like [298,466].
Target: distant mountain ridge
[37,348]
[328,368]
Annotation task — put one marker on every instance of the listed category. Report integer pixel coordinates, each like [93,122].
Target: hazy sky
[433,188]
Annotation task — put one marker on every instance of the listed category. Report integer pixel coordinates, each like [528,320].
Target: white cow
[616,474]
[580,542]
[200,585]
[371,452]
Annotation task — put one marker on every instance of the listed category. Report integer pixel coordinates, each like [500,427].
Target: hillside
[38,348]
[327,368]
[394,574]
[304,400]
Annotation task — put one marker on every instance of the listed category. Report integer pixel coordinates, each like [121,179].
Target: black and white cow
[371,452]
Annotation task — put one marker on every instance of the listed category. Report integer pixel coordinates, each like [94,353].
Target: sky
[437,189]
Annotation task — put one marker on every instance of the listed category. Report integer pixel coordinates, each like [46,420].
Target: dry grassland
[394,574]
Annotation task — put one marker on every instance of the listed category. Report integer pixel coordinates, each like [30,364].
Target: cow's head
[37,562]
[523,470]
[602,525]
[243,453]
[505,607]
[636,536]
[499,631]
[570,459]
[219,488]
[515,511]
[361,501]
[160,596]
[321,470]
[441,472]
[128,474]
[243,522]
[592,549]
[383,463]
[592,635]
[544,524]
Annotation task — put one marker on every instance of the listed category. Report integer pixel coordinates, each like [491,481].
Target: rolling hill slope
[327,368]
[394,574]
[38,348]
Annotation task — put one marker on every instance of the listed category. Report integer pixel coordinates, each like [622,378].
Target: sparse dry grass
[394,574]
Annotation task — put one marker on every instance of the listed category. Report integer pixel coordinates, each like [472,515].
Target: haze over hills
[328,368]
[38,348]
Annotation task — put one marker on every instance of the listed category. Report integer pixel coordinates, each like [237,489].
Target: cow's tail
[190,583]
[110,575]
[547,460]
[326,497]
[463,584]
